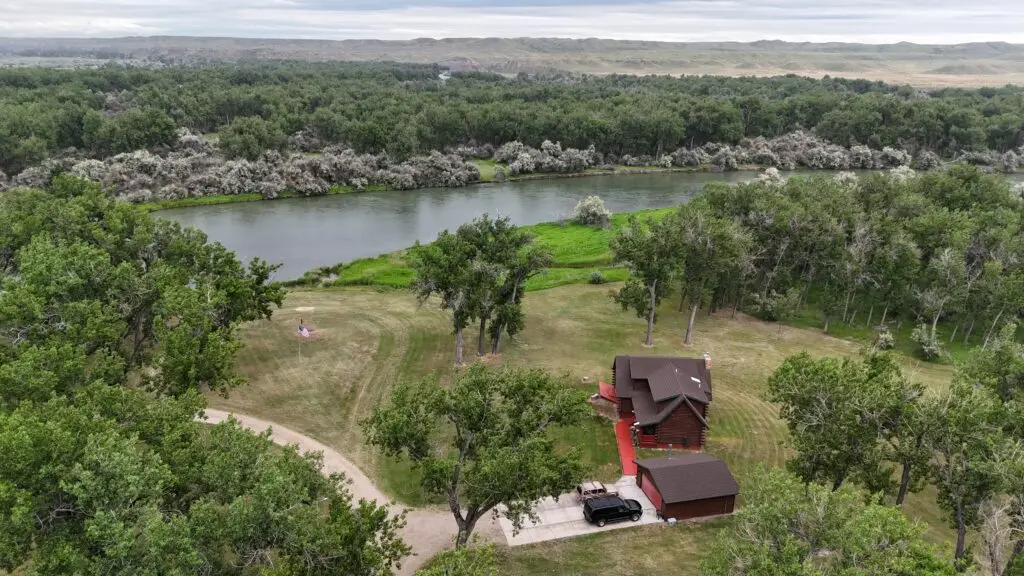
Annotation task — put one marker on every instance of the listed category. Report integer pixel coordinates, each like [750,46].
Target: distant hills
[975,64]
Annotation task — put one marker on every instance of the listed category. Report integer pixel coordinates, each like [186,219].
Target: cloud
[874,21]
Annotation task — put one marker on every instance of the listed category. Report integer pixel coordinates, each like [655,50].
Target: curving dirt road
[426,531]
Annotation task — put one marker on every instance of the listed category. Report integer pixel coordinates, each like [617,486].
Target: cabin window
[686,441]
[649,430]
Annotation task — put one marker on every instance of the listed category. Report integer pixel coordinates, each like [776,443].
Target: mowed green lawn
[367,339]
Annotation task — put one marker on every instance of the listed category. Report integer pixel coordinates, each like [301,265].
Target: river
[306,233]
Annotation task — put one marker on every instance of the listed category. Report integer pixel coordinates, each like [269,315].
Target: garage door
[651,491]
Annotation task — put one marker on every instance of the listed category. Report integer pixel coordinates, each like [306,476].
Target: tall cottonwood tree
[836,411]
[710,250]
[649,249]
[507,316]
[499,456]
[787,526]
[444,268]
[944,283]
[480,273]
[966,436]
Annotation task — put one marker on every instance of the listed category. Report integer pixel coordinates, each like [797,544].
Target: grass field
[366,339]
[578,251]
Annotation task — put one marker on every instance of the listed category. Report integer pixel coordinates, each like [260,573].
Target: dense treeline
[882,249]
[879,249]
[407,109]
[111,325]
[864,422]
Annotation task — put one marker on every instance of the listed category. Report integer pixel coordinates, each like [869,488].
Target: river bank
[313,232]
[486,177]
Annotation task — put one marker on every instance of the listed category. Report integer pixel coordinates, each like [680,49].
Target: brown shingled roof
[658,385]
[688,477]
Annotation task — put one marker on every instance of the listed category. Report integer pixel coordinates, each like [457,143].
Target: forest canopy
[112,323]
[406,109]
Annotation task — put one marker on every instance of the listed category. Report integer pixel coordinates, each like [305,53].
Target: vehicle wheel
[635,517]
[601,523]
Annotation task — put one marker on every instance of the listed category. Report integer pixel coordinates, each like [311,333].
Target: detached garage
[688,485]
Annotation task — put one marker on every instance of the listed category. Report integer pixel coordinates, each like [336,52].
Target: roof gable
[689,477]
[659,385]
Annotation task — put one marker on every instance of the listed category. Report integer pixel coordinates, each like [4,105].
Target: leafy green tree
[788,527]
[111,480]
[836,411]
[464,561]
[110,281]
[498,454]
[710,248]
[444,268]
[908,429]
[648,249]
[249,137]
[966,435]
[945,282]
[507,317]
[893,268]
[98,475]
[505,256]
[999,367]
[136,129]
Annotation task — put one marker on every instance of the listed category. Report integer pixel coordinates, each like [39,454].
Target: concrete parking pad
[564,518]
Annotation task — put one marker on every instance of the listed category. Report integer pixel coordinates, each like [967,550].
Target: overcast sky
[874,21]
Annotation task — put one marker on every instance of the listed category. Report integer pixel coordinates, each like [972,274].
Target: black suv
[601,511]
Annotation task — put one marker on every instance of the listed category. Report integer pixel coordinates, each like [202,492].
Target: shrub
[777,307]
[846,178]
[891,158]
[827,157]
[928,347]
[575,160]
[902,173]
[978,157]
[760,154]
[862,157]
[249,136]
[509,152]
[928,160]
[685,157]
[522,165]
[551,149]
[771,176]
[884,340]
[499,174]
[591,212]
[725,159]
[596,278]
[1010,162]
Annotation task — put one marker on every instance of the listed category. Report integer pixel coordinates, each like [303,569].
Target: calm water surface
[305,233]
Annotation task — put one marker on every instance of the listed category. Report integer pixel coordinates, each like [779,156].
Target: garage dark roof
[689,477]
[658,385]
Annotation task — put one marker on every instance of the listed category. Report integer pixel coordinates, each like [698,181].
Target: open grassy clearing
[579,251]
[367,339]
